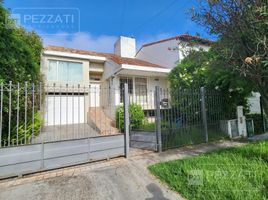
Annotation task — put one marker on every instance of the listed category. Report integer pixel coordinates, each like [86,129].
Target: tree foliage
[242,28]
[136,116]
[19,62]
[19,51]
[205,68]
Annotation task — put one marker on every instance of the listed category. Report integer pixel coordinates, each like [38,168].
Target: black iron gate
[142,112]
[192,116]
[164,119]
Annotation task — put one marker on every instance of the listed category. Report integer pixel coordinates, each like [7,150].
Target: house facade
[85,87]
[79,81]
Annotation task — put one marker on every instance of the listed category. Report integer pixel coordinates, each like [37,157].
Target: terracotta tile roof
[132,61]
[184,37]
[117,59]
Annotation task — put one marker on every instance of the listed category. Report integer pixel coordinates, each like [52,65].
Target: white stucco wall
[254,103]
[160,54]
[166,54]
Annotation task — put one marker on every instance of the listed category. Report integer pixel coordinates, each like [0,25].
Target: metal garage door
[65,110]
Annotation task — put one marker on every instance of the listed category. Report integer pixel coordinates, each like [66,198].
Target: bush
[136,116]
[258,122]
[30,129]
[20,52]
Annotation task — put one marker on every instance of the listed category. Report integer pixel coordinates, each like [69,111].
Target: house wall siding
[166,54]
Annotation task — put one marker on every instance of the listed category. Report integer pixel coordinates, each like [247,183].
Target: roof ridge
[116,58]
[182,37]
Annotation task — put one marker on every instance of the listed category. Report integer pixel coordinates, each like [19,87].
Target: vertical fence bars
[191,116]
[1,112]
[32,113]
[40,113]
[25,110]
[204,112]
[18,113]
[9,112]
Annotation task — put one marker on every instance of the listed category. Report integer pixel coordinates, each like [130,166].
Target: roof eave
[74,55]
[145,68]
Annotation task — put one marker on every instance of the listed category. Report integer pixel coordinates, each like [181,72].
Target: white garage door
[64,110]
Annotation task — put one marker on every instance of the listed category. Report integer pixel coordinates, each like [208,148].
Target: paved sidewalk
[117,179]
[259,137]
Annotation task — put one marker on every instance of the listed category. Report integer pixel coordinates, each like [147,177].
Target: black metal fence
[180,117]
[142,108]
[192,116]
[39,113]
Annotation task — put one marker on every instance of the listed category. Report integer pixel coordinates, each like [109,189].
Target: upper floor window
[65,71]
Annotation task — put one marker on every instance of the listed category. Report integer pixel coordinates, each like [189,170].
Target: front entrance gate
[177,118]
[143,136]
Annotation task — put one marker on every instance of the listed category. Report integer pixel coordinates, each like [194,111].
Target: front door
[95,95]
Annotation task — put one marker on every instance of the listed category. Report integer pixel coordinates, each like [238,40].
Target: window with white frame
[65,71]
[141,89]
[122,81]
[137,88]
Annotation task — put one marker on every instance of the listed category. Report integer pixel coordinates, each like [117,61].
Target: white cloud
[81,40]
[86,41]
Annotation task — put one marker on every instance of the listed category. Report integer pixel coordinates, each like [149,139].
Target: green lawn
[234,173]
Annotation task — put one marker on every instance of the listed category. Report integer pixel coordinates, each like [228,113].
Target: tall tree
[19,51]
[203,68]
[242,28]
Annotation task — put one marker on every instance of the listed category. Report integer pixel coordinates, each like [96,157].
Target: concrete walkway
[65,132]
[117,179]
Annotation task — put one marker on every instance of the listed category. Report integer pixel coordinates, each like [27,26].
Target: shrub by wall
[136,117]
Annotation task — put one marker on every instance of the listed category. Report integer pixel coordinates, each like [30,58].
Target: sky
[96,24]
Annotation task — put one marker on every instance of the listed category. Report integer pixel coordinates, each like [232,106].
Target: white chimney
[125,47]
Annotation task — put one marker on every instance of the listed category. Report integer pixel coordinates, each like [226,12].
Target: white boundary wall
[19,160]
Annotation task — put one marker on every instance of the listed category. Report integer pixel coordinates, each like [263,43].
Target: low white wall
[15,161]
